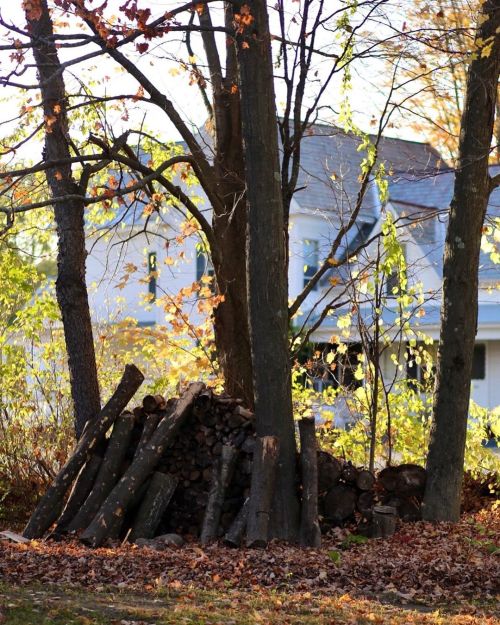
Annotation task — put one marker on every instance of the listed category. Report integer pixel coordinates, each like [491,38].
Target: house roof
[331,165]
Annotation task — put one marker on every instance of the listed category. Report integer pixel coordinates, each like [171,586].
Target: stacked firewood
[184,466]
[161,454]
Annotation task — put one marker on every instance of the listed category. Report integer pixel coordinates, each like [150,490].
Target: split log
[265,460]
[109,471]
[340,503]
[384,521]
[329,470]
[310,533]
[120,497]
[153,403]
[235,533]
[79,493]
[49,507]
[153,506]
[221,478]
[365,480]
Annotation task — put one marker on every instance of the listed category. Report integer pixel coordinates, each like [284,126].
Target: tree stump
[310,533]
[384,521]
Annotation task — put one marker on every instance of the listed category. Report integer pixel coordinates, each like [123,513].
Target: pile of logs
[345,490]
[179,454]
[184,466]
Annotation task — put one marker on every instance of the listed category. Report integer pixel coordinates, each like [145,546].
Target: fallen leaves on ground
[422,563]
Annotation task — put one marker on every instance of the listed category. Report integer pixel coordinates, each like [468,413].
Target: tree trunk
[230,230]
[50,505]
[266,264]
[71,289]
[310,533]
[445,461]
[122,494]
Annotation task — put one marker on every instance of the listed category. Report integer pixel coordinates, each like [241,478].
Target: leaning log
[122,494]
[221,478]
[109,472]
[49,507]
[310,533]
[79,493]
[150,423]
[153,506]
[234,535]
[265,460]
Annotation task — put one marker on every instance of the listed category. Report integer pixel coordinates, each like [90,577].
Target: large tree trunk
[229,228]
[71,288]
[460,278]
[266,265]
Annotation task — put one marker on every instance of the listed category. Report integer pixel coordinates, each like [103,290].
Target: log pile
[184,467]
[178,454]
[346,491]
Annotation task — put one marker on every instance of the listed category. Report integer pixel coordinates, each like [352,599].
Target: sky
[161,65]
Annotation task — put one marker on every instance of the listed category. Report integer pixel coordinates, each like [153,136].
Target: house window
[479,362]
[152,275]
[204,267]
[311,259]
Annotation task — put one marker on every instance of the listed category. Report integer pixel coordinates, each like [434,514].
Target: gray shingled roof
[330,167]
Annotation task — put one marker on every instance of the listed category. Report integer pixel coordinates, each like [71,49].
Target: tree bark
[221,478]
[262,491]
[266,265]
[50,505]
[310,533]
[108,473]
[153,506]
[71,289]
[445,460]
[122,494]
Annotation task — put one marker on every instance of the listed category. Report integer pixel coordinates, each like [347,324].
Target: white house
[420,189]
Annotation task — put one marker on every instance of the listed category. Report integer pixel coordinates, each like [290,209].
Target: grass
[63,606]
